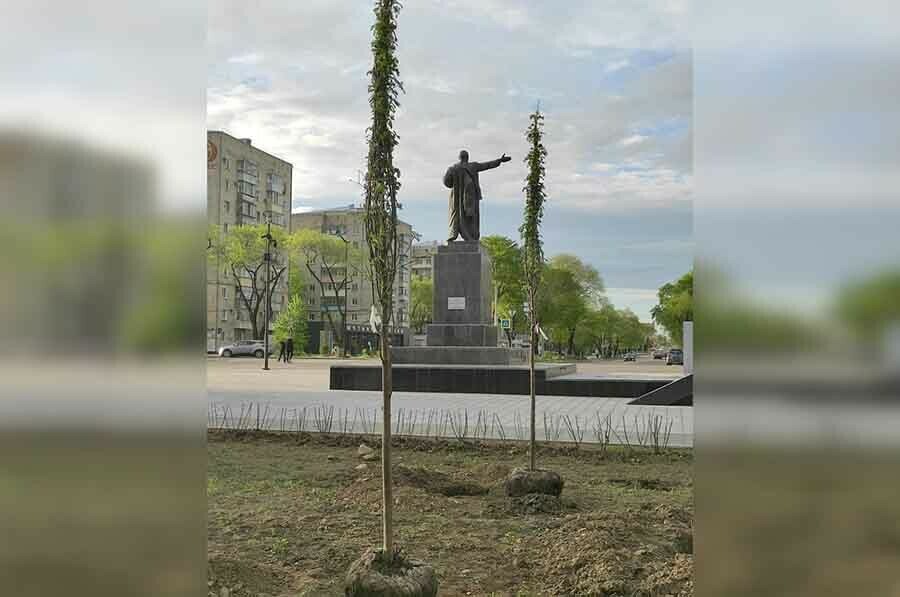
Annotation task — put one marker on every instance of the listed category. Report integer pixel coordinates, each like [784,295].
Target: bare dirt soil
[288,514]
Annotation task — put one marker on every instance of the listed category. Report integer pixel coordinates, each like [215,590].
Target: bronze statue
[465,194]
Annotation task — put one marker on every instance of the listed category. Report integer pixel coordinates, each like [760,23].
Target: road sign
[504,324]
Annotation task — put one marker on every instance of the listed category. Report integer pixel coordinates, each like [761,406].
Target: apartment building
[422,259]
[245,185]
[348,222]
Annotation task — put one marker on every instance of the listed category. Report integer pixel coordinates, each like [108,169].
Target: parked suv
[660,353]
[675,357]
[241,348]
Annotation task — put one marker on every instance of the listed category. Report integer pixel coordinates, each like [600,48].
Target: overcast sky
[613,79]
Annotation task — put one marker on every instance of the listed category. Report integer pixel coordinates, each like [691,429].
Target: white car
[241,348]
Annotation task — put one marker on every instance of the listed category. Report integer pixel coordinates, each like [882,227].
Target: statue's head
[463,156]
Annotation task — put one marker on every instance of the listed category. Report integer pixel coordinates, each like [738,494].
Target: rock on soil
[372,576]
[522,482]
[364,451]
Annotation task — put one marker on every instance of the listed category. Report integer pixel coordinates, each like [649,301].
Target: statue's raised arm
[481,166]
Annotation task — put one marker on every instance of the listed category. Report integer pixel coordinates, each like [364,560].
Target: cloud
[251,58]
[798,107]
[633,139]
[473,71]
[635,293]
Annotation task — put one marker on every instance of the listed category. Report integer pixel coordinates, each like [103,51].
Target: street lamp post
[346,280]
[267,296]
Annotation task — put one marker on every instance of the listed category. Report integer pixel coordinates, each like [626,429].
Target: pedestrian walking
[290,349]
[282,354]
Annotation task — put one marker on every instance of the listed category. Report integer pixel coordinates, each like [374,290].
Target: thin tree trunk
[533,389]
[386,488]
[254,322]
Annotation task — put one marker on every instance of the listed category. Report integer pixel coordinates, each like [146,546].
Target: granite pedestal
[459,355]
[461,352]
[462,332]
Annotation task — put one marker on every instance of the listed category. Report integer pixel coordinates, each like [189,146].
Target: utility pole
[268,294]
[346,280]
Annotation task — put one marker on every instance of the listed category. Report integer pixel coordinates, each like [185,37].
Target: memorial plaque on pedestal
[456,303]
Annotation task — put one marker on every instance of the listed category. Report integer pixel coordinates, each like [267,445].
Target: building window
[227,205]
[226,185]
[225,228]
[275,183]
[248,209]
[225,293]
[310,301]
[225,166]
[354,287]
[354,301]
[353,317]
[247,188]
[312,316]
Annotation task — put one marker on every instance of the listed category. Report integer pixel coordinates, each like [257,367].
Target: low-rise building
[348,222]
[422,259]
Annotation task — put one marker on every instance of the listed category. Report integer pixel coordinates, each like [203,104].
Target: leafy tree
[333,265]
[586,275]
[595,329]
[507,276]
[632,333]
[675,306]
[292,322]
[421,301]
[532,246]
[562,306]
[242,251]
[577,290]
[382,182]
[648,336]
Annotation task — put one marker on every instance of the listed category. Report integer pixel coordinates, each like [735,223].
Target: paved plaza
[297,393]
